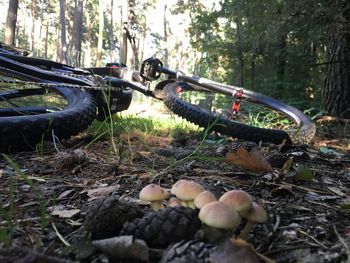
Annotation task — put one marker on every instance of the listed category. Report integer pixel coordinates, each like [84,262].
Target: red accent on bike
[178,89]
[114,66]
[237,100]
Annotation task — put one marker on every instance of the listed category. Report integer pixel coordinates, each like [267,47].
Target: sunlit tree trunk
[111,36]
[123,51]
[165,38]
[63,47]
[336,91]
[100,33]
[32,7]
[11,19]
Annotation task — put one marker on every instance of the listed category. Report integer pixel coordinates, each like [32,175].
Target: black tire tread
[20,132]
[200,117]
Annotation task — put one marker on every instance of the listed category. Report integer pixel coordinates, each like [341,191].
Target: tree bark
[281,63]
[100,33]
[63,46]
[336,91]
[11,20]
[165,38]
[111,36]
[32,42]
[77,33]
[239,81]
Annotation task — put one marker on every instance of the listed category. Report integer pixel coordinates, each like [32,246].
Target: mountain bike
[45,100]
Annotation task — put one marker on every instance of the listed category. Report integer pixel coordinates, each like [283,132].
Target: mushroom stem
[157,206]
[246,229]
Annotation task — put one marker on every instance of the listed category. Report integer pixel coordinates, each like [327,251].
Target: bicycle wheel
[260,118]
[31,113]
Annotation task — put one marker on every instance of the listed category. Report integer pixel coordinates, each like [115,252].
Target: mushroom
[204,198]
[187,191]
[174,201]
[154,194]
[219,221]
[239,200]
[256,214]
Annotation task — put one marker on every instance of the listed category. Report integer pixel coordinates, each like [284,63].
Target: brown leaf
[66,213]
[102,191]
[253,160]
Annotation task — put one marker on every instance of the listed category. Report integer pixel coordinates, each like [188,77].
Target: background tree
[77,36]
[63,44]
[10,26]
[336,92]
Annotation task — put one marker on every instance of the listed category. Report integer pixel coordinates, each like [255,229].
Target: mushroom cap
[153,192]
[239,200]
[256,214]
[219,215]
[204,198]
[186,190]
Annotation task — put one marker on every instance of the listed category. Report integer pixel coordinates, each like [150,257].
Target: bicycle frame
[120,76]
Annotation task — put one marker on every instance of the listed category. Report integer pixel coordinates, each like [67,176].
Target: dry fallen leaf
[102,191]
[253,160]
[67,213]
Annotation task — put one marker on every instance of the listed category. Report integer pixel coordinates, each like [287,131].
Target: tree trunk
[32,7]
[11,20]
[165,38]
[123,51]
[100,33]
[63,47]
[47,30]
[239,81]
[281,63]
[77,33]
[336,91]
[111,36]
[88,53]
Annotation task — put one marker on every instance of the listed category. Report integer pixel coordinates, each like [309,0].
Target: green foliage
[278,43]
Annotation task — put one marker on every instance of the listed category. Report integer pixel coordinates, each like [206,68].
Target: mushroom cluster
[220,218]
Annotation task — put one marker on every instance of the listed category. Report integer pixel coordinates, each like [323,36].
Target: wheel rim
[29,99]
[250,113]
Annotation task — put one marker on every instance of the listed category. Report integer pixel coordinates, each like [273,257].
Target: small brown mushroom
[256,214]
[219,221]
[187,191]
[204,198]
[239,200]
[174,201]
[154,194]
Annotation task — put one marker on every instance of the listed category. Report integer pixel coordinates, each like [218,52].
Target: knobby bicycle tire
[26,131]
[303,133]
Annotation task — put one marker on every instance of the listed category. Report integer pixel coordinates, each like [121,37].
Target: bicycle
[41,99]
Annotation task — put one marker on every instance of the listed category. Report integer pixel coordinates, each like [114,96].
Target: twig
[313,238]
[60,236]
[54,140]
[343,242]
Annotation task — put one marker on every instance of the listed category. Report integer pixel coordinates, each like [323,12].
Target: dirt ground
[45,195]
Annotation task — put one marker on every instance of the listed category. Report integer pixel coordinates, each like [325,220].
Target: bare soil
[45,202]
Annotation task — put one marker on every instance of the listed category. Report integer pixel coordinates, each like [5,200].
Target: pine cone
[105,217]
[187,252]
[164,227]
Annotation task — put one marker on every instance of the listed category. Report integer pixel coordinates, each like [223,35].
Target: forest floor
[45,195]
